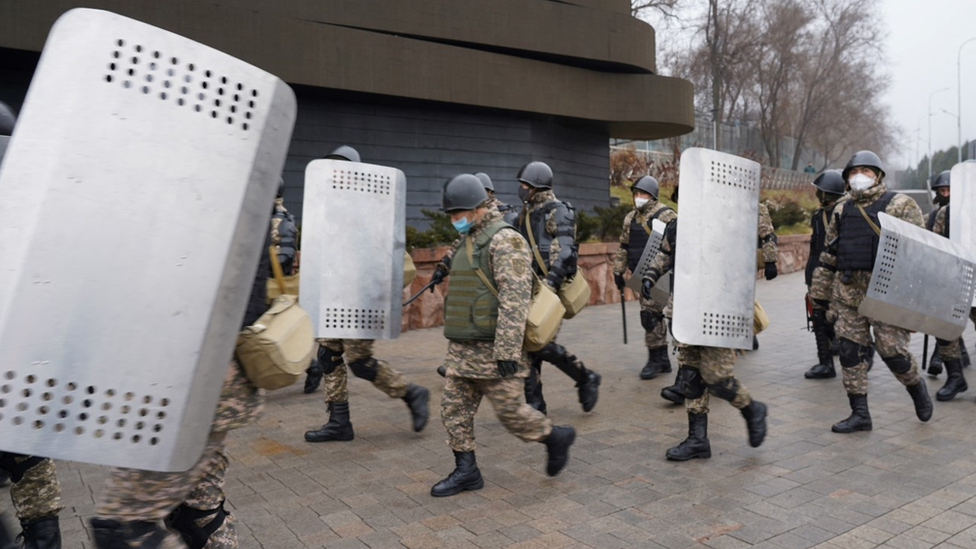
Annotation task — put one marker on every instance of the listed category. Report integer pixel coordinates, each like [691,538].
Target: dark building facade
[433,87]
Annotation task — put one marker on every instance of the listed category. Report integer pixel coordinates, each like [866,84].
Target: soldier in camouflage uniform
[335,354]
[147,509]
[941,187]
[549,225]
[485,312]
[633,239]
[284,232]
[952,353]
[36,492]
[766,251]
[702,371]
[842,281]
[830,191]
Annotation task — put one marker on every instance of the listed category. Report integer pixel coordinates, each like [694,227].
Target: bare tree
[666,8]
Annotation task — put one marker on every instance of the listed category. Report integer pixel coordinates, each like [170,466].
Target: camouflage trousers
[890,342]
[950,350]
[658,336]
[715,365]
[38,492]
[461,399]
[136,495]
[334,384]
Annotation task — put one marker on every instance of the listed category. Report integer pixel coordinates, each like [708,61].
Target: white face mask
[860,182]
[639,202]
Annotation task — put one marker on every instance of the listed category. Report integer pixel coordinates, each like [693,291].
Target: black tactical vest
[858,243]
[537,220]
[639,237]
[817,241]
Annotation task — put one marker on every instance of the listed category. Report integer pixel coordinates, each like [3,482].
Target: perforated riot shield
[135,199]
[661,290]
[921,281]
[715,261]
[352,249]
[962,225]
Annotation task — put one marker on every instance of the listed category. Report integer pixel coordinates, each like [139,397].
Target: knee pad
[898,364]
[692,384]
[364,368]
[329,360]
[8,463]
[851,353]
[552,353]
[725,389]
[184,519]
[650,320]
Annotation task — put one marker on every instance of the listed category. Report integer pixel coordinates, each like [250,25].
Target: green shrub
[611,221]
[587,225]
[786,213]
[440,232]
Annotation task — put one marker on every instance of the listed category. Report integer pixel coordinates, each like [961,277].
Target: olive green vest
[471,308]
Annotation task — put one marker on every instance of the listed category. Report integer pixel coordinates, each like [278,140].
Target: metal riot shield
[353,238]
[962,226]
[135,199]
[660,291]
[921,281]
[715,262]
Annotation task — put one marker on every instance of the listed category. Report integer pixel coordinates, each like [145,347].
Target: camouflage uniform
[36,491]
[284,236]
[472,371]
[845,291]
[767,236]
[658,336]
[387,379]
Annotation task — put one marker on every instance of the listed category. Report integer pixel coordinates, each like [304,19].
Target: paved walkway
[906,485]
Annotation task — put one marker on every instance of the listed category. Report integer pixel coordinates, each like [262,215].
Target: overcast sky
[922,46]
[923,38]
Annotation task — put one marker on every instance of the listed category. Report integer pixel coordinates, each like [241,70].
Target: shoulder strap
[535,250]
[477,268]
[875,228]
[279,275]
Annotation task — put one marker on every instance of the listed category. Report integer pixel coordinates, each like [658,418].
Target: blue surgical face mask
[462,225]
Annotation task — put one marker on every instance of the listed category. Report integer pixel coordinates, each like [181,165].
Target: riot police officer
[841,282]
[830,192]
[284,232]
[633,239]
[484,319]
[549,225]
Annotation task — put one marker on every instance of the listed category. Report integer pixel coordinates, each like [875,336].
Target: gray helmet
[485,181]
[647,184]
[463,192]
[864,158]
[537,175]
[941,180]
[345,152]
[281,188]
[7,119]
[830,181]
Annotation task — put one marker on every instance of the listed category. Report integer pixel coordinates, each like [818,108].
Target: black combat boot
[442,370]
[557,444]
[42,533]
[313,376]
[825,368]
[935,364]
[465,476]
[588,389]
[338,428]
[860,418]
[416,398]
[533,387]
[657,363]
[755,414]
[673,392]
[696,445]
[920,396]
[112,534]
[955,381]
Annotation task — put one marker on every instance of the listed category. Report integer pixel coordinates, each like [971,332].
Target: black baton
[925,352]
[623,310]
[429,285]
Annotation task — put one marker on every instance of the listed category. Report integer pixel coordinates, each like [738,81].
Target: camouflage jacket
[827,284]
[767,236]
[940,220]
[510,268]
[643,214]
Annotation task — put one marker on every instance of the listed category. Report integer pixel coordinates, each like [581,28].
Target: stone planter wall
[595,260]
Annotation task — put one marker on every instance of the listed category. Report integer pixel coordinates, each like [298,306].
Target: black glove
[440,273]
[646,285]
[618,279]
[554,281]
[507,368]
[771,271]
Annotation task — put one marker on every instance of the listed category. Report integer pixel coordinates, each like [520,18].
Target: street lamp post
[930,127]
[959,94]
